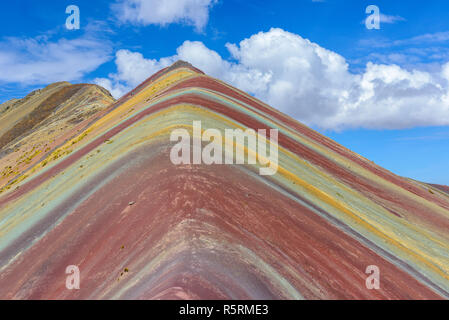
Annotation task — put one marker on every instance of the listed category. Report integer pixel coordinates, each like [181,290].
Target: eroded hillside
[32,127]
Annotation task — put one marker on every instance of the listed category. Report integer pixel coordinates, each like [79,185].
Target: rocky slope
[30,128]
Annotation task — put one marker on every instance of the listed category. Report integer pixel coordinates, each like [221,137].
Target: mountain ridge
[110,201]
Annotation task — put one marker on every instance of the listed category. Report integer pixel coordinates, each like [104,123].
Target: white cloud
[132,69]
[146,12]
[310,83]
[39,60]
[424,52]
[385,18]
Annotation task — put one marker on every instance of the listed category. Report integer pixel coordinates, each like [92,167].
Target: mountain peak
[131,184]
[182,64]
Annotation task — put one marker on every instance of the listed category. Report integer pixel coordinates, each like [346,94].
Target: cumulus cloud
[146,12]
[309,82]
[40,60]
[132,69]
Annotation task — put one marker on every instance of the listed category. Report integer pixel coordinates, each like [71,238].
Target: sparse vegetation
[40,113]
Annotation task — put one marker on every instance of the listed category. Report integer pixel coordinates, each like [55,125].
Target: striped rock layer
[111,202]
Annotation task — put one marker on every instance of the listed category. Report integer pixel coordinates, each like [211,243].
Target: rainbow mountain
[104,196]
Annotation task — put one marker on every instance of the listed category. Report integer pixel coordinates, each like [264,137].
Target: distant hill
[33,126]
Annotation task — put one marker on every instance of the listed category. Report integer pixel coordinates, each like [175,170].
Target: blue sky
[382,93]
